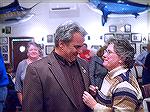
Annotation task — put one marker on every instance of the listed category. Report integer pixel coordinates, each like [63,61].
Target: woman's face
[111,59]
[33,52]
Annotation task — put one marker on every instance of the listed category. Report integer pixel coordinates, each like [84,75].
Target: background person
[56,82]
[120,90]
[85,53]
[146,71]
[33,54]
[3,83]
[96,68]
[140,59]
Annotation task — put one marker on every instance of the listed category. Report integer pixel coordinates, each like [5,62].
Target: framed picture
[148,37]
[142,47]
[127,36]
[118,35]
[112,28]
[49,49]
[4,49]
[8,30]
[5,57]
[108,35]
[134,46]
[50,39]
[136,37]
[127,28]
[96,47]
[4,40]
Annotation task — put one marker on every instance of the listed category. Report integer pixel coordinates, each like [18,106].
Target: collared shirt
[117,94]
[140,60]
[74,79]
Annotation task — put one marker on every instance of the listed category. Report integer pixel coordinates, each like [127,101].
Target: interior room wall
[44,23]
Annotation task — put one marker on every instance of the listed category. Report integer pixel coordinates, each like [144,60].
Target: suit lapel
[58,74]
[85,75]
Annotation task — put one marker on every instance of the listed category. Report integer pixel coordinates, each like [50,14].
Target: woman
[33,54]
[120,90]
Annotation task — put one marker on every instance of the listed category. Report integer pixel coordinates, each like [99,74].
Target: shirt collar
[62,60]
[117,71]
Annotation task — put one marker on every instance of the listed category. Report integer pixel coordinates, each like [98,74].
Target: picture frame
[134,46]
[8,30]
[4,49]
[142,47]
[5,57]
[50,38]
[148,37]
[127,36]
[4,40]
[127,28]
[136,37]
[108,35]
[118,35]
[112,28]
[49,49]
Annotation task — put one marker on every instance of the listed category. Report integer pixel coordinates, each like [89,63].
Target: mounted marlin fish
[14,12]
[118,7]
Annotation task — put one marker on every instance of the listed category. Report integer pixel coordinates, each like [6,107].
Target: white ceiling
[30,1]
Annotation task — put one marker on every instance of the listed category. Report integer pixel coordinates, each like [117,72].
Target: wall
[44,23]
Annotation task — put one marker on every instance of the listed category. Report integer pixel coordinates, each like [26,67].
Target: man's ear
[61,45]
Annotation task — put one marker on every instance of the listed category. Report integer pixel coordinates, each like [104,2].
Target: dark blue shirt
[3,76]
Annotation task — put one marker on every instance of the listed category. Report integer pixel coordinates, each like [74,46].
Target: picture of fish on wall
[14,12]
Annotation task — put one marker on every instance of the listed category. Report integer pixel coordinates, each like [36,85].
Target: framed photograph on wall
[5,57]
[8,30]
[127,28]
[108,35]
[49,49]
[127,36]
[134,46]
[118,35]
[112,28]
[4,40]
[142,47]
[4,49]
[148,37]
[50,39]
[136,37]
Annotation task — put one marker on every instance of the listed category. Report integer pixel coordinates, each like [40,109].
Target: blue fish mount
[118,7]
[14,12]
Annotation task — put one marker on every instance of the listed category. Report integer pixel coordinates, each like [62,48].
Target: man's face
[72,49]
[111,59]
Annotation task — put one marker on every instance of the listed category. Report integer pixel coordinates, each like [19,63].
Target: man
[3,83]
[56,83]
[140,59]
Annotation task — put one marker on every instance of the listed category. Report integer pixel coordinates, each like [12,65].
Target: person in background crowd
[33,54]
[120,91]
[140,59]
[85,53]
[3,83]
[56,82]
[96,68]
[146,71]
[12,101]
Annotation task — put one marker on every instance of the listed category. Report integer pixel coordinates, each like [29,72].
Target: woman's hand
[89,100]
[93,90]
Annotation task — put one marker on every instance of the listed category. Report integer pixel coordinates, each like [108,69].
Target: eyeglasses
[108,51]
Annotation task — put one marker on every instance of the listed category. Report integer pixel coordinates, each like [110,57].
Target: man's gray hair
[65,31]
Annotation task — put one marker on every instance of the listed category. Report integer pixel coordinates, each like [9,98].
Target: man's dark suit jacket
[45,88]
